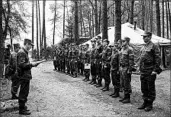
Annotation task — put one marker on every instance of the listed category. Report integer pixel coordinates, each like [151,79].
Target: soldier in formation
[115,63]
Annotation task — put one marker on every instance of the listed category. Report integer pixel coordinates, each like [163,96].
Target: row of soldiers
[113,63]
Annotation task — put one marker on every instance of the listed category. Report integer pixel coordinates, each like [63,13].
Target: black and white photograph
[85,58]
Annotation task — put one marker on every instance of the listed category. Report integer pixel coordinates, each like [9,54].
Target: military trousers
[115,79]
[106,74]
[23,93]
[148,86]
[87,73]
[93,71]
[125,80]
[15,85]
[99,71]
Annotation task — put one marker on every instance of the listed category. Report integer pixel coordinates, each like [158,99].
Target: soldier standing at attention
[149,67]
[14,76]
[93,65]
[126,66]
[87,63]
[106,56]
[98,56]
[24,75]
[115,71]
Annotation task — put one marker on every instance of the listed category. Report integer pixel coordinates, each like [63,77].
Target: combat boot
[24,112]
[143,105]
[116,94]
[149,106]
[113,93]
[106,89]
[127,99]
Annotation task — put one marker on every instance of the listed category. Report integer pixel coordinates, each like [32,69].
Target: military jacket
[127,57]
[114,63]
[13,61]
[92,55]
[24,64]
[106,54]
[98,51]
[150,58]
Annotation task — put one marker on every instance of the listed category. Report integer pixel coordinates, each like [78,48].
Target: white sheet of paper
[87,66]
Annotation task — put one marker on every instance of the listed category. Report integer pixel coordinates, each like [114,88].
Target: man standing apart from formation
[149,68]
[14,77]
[24,75]
[126,66]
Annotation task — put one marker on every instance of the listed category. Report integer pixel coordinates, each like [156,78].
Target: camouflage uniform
[126,65]
[74,55]
[149,62]
[106,57]
[115,72]
[86,60]
[98,57]
[25,76]
[93,66]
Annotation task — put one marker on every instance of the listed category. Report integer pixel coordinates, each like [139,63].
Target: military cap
[93,40]
[16,45]
[111,45]
[106,40]
[99,37]
[126,39]
[28,41]
[147,34]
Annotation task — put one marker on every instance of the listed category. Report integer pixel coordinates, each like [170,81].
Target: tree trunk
[1,42]
[105,21]
[44,30]
[54,22]
[76,33]
[167,20]
[132,12]
[100,11]
[96,19]
[163,27]
[64,21]
[158,18]
[143,15]
[92,19]
[40,32]
[89,24]
[169,16]
[37,30]
[32,25]
[118,20]
[151,16]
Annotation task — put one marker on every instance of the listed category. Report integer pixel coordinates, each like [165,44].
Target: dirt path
[54,94]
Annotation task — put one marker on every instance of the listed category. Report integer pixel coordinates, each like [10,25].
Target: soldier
[54,60]
[24,75]
[106,56]
[149,68]
[93,65]
[7,54]
[126,66]
[87,63]
[98,53]
[114,63]
[74,55]
[14,76]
